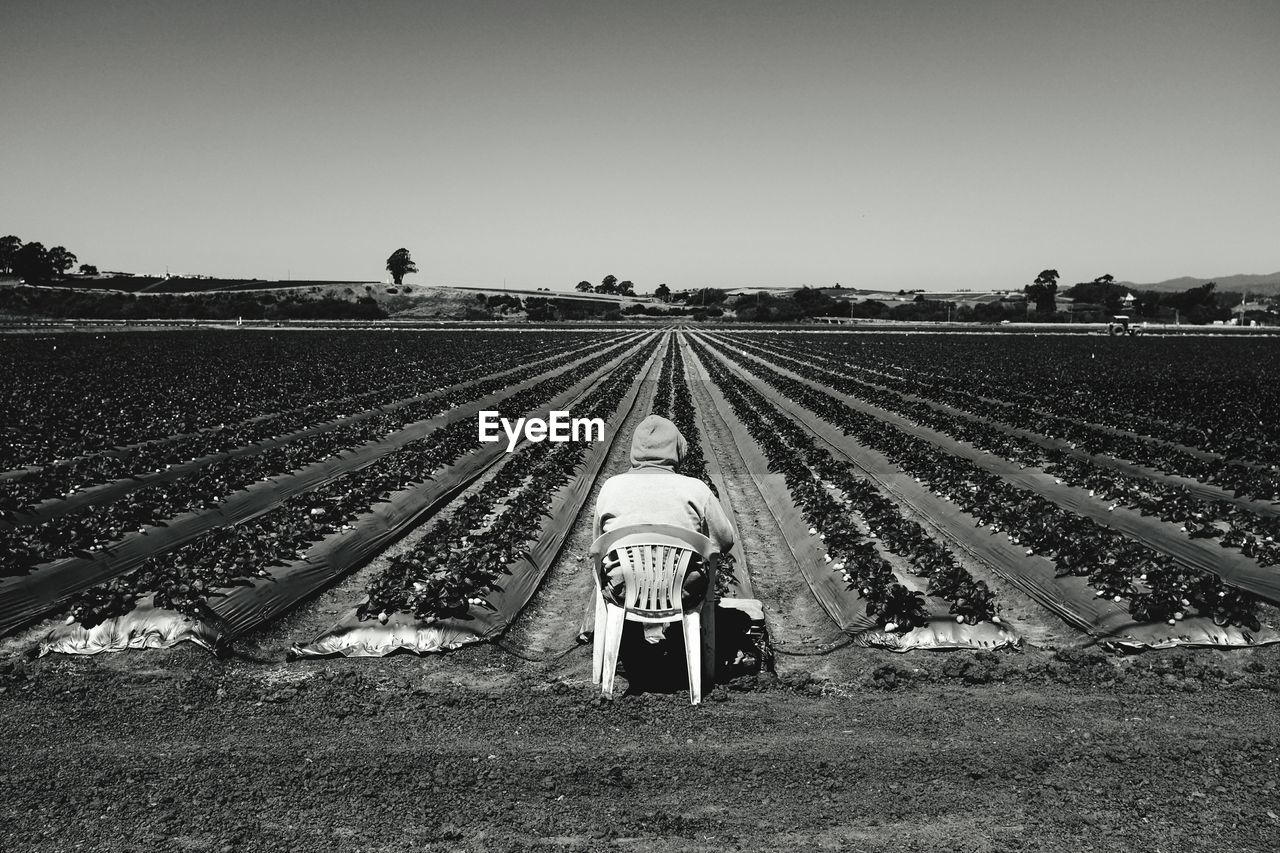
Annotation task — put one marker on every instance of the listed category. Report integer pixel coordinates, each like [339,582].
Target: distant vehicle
[1121,325]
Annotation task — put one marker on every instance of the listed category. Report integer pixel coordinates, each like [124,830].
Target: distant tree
[539,308]
[1101,291]
[9,247]
[61,259]
[88,269]
[662,292]
[32,263]
[584,287]
[608,285]
[626,288]
[400,265]
[1043,290]
[1197,304]
[814,303]
[702,297]
[869,308]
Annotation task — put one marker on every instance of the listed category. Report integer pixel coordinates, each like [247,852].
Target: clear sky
[899,144]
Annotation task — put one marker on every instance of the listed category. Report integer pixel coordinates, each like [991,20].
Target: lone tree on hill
[584,287]
[88,269]
[662,292]
[1042,291]
[608,285]
[626,288]
[400,265]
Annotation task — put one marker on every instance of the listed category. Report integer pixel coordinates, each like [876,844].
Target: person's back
[653,493]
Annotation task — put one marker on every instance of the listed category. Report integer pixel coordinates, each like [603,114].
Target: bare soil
[477,750]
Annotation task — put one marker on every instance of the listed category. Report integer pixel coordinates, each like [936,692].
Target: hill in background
[1268,284]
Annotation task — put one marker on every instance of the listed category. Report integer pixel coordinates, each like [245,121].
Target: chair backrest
[654,559]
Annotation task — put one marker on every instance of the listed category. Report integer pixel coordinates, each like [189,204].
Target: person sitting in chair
[653,493]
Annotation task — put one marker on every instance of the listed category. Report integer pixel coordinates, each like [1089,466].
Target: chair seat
[654,560]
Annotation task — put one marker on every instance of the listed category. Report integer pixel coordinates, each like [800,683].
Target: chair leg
[692,624]
[597,639]
[613,641]
[708,645]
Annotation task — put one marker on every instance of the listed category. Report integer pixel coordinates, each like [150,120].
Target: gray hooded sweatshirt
[653,493]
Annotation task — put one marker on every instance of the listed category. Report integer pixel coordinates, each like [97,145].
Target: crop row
[463,557]
[21,494]
[185,578]
[662,394]
[1231,524]
[1214,395]
[812,475]
[93,528]
[677,406]
[63,396]
[1113,564]
[1243,478]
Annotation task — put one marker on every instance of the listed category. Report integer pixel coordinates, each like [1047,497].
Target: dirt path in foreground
[476,751]
[552,620]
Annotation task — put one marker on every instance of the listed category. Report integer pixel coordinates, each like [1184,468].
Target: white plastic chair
[654,559]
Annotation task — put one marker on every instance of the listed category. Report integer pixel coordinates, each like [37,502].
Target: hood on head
[657,443]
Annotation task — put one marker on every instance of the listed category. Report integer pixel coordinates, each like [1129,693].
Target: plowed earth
[1172,751]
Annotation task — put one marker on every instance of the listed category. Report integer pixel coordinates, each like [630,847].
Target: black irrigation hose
[524,657]
[825,650]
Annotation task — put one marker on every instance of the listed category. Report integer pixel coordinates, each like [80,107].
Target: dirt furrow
[796,621]
[553,619]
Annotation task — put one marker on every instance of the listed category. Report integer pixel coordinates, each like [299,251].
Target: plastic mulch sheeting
[1070,597]
[26,597]
[846,607]
[245,608]
[352,637]
[144,627]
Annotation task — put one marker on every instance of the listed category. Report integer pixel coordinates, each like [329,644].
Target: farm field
[1071,540]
